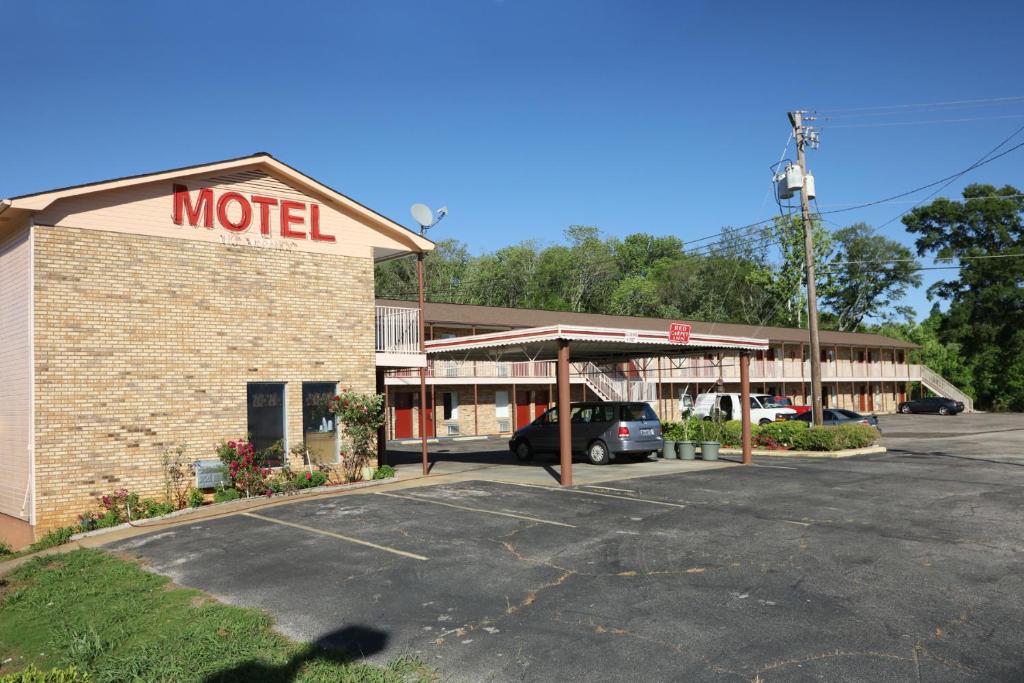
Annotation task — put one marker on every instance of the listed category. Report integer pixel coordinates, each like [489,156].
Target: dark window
[319,427]
[451,405]
[266,419]
[634,412]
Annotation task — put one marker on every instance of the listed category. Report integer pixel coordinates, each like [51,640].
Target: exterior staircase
[938,384]
[615,386]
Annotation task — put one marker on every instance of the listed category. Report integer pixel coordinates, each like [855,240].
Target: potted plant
[709,443]
[668,434]
[686,447]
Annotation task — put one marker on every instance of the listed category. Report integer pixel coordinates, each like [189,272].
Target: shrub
[58,536]
[34,675]
[836,438]
[154,508]
[195,498]
[308,480]
[178,475]
[384,472]
[785,433]
[247,469]
[360,415]
[222,495]
[731,433]
[5,549]
[672,431]
[858,436]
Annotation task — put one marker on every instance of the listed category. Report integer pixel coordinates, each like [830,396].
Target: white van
[763,408]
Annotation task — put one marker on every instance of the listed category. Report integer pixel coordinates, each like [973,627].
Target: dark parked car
[601,430]
[932,404]
[840,416]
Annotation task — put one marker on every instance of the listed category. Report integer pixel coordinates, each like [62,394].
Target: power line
[977,164]
[918,201]
[919,123]
[937,258]
[930,104]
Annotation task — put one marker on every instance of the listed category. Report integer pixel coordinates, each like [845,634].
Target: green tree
[503,278]
[592,270]
[870,272]
[986,296]
[444,270]
[785,283]
[636,295]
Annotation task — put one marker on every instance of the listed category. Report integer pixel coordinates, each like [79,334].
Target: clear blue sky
[522,117]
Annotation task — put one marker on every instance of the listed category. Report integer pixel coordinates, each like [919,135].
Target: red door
[522,408]
[863,398]
[403,415]
[541,402]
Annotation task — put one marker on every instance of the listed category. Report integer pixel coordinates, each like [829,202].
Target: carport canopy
[577,344]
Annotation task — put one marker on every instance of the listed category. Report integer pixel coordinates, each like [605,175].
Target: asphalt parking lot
[898,567]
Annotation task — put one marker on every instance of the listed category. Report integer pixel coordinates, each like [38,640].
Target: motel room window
[451,405]
[501,407]
[266,413]
[319,426]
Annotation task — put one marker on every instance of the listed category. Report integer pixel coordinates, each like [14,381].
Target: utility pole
[799,134]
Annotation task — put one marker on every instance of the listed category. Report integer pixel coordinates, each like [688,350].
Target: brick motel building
[198,305]
[868,373]
[184,307]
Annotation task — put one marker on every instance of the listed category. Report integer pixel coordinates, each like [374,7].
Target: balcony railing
[698,370]
[398,329]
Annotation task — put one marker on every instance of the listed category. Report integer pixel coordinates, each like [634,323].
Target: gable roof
[38,201]
[504,318]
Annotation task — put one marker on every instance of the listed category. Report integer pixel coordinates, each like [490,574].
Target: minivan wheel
[905,410]
[943,410]
[524,451]
[597,453]
[764,421]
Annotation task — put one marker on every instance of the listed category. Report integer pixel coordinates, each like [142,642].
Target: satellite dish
[423,215]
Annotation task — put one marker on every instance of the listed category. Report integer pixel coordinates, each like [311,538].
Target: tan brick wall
[143,343]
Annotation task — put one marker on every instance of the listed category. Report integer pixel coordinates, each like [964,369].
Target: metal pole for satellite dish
[423,370]
[425,217]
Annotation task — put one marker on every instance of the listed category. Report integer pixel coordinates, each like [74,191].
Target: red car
[786,402]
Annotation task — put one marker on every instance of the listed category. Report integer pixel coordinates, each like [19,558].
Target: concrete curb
[89,539]
[846,453]
[232,506]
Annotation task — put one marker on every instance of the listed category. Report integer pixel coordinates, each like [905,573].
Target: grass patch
[116,622]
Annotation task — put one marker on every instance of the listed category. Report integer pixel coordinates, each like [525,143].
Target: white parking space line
[777,467]
[606,488]
[420,499]
[310,529]
[590,493]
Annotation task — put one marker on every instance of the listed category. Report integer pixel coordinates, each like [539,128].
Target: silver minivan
[600,430]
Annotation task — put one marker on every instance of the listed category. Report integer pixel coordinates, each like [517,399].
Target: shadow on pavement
[343,646]
[497,454]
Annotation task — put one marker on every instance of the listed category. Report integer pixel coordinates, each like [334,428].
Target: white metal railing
[601,384]
[940,385]
[694,370]
[398,329]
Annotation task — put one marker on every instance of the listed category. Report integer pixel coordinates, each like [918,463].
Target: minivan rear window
[634,412]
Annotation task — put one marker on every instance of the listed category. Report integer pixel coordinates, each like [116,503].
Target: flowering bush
[360,415]
[246,469]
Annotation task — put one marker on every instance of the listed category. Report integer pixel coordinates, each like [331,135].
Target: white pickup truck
[763,408]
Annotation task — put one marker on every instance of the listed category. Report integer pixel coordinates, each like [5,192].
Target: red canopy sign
[679,333]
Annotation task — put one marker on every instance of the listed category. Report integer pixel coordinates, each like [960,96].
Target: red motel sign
[679,333]
[292,215]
